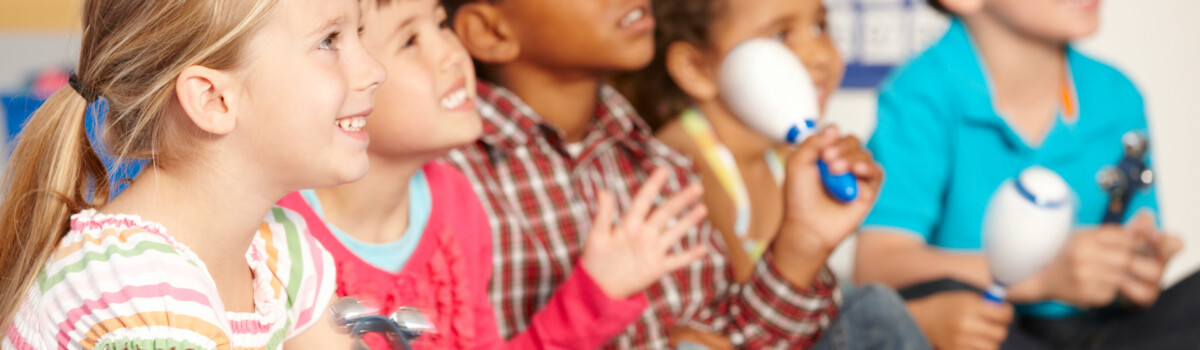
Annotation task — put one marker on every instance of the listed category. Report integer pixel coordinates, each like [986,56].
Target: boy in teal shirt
[1001,91]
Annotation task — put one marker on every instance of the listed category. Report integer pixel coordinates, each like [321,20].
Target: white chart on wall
[876,35]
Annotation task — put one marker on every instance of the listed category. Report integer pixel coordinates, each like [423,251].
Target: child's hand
[626,258]
[1142,286]
[814,223]
[1090,268]
[961,320]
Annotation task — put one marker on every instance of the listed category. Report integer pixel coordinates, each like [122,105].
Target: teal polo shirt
[945,146]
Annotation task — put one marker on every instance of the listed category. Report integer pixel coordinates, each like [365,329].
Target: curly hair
[652,91]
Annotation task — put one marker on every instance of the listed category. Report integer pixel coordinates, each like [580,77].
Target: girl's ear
[693,71]
[963,7]
[206,97]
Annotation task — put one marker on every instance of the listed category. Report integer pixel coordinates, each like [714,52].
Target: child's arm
[814,223]
[792,293]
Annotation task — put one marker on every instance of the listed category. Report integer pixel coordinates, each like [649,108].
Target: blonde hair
[132,52]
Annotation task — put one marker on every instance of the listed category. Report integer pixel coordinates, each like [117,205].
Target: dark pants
[1172,323]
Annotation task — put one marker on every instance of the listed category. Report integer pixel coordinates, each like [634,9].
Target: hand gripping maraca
[401,326]
[767,87]
[1027,222]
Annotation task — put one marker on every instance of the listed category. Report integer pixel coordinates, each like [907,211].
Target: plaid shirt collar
[509,123]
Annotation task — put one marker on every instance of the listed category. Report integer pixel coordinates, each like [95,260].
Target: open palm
[628,257]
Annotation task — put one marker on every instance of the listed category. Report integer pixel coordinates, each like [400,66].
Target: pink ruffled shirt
[447,279]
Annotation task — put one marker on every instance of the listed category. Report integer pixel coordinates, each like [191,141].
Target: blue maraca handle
[995,294]
[842,187]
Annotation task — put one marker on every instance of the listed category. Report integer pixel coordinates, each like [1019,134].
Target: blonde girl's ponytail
[52,173]
[131,53]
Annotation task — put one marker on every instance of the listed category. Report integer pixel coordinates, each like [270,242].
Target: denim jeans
[872,317]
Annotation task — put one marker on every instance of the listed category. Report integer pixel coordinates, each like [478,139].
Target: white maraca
[769,90]
[1027,222]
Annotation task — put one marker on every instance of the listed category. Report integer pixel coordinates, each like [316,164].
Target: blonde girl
[235,103]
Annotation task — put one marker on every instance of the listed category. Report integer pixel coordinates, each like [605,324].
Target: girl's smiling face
[429,106]
[800,24]
[307,87]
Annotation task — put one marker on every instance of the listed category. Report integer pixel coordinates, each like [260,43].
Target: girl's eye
[330,42]
[781,35]
[412,40]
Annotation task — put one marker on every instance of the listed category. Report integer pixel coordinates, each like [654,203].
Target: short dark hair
[937,5]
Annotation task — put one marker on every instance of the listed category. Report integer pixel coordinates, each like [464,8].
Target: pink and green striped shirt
[118,282]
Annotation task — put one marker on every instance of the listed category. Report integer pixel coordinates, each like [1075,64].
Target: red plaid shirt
[541,200]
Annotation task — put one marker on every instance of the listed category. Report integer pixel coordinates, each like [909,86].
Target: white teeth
[632,17]
[352,124]
[454,99]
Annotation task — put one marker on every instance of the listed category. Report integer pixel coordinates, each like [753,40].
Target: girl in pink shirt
[412,232]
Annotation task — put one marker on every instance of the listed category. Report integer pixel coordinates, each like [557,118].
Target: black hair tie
[75,84]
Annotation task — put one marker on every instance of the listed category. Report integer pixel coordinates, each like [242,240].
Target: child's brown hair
[652,91]
[132,52]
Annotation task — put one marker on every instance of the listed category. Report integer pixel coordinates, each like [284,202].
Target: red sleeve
[578,316]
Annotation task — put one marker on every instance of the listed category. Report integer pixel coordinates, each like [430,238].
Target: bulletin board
[39,15]
[876,35]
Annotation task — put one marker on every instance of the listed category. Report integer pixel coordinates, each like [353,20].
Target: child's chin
[349,172]
[466,136]
[632,62]
[1085,29]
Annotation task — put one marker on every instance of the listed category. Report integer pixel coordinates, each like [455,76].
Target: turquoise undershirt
[390,256]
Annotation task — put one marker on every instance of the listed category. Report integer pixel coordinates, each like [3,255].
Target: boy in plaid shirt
[555,137]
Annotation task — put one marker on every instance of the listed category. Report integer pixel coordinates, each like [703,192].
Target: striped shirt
[118,282]
[540,199]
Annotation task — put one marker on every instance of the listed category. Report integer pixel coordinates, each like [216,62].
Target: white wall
[25,52]
[1157,44]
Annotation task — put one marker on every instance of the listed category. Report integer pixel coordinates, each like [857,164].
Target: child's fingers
[1168,245]
[997,314]
[839,155]
[1139,292]
[862,164]
[681,228]
[1142,223]
[674,205]
[644,199]
[603,222]
[809,151]
[870,173]
[1146,269]
[1113,237]
[1144,232]
[677,261]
